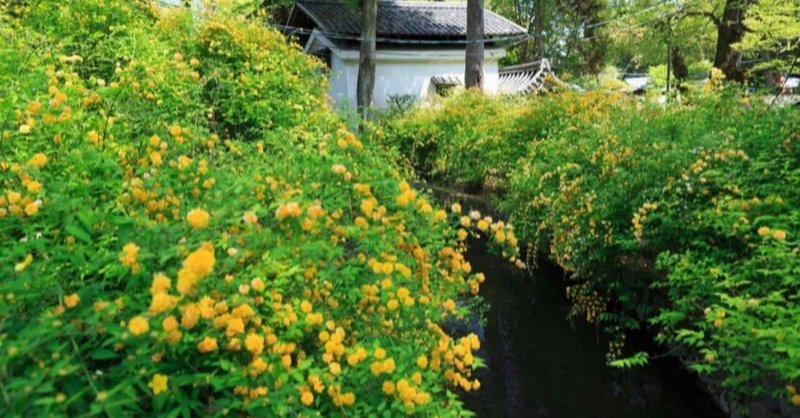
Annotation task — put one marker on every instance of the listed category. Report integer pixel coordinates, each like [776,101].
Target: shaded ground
[540,366]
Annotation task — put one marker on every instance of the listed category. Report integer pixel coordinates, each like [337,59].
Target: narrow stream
[541,366]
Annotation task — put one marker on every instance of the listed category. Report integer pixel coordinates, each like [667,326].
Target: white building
[420,46]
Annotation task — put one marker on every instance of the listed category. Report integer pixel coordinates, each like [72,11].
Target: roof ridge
[405,18]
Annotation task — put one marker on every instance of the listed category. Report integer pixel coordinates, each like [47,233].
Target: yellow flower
[198,218]
[483,225]
[347,399]
[250,218]
[159,383]
[422,362]
[169,324]
[161,283]
[24,129]
[307,398]
[155,158]
[13,197]
[254,344]
[335,368]
[449,305]
[388,387]
[388,365]
[196,266]
[38,160]
[779,235]
[208,345]
[291,209]
[72,300]
[175,130]
[235,326]
[306,306]
[763,231]
[380,353]
[33,186]
[138,325]
[191,314]
[286,360]
[160,303]
[257,284]
[129,253]
[361,222]
[31,209]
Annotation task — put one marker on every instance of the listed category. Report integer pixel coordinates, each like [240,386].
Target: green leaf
[78,232]
[103,354]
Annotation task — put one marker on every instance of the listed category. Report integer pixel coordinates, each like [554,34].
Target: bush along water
[681,218]
[185,228]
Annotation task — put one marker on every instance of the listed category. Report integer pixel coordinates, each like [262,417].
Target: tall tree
[473,73]
[366,57]
[731,30]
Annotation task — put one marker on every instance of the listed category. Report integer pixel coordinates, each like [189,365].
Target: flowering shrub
[681,218]
[174,242]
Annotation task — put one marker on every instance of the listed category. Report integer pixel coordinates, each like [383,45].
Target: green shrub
[682,218]
[173,243]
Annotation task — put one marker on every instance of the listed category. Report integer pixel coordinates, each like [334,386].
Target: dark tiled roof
[406,19]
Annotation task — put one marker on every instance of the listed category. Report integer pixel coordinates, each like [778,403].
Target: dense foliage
[747,40]
[186,229]
[683,218]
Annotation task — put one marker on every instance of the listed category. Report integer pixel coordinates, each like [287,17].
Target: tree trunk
[473,73]
[730,30]
[538,29]
[679,68]
[366,61]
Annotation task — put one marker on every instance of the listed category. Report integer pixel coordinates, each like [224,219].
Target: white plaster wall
[403,72]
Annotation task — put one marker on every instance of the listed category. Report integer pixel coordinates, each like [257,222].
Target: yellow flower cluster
[198,218]
[640,217]
[196,266]
[288,210]
[407,194]
[128,258]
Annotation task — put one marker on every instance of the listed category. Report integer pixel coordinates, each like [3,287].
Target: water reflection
[539,365]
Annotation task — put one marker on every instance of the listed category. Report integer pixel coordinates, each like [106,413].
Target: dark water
[540,365]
